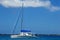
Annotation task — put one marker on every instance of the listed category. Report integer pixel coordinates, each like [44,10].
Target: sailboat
[23,33]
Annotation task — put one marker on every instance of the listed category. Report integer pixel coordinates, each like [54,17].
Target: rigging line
[18,19]
[16,23]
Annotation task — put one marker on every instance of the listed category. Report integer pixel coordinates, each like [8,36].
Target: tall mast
[22,10]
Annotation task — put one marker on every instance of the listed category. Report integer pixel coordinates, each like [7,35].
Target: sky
[39,16]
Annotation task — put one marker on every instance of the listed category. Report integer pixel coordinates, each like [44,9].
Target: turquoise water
[7,37]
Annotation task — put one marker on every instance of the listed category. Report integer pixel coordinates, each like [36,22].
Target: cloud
[29,3]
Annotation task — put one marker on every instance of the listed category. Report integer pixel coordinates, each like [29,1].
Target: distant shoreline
[35,34]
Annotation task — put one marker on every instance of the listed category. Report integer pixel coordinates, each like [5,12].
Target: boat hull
[19,36]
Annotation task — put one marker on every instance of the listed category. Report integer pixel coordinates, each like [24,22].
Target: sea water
[7,37]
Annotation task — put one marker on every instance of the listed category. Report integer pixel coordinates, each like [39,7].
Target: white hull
[22,35]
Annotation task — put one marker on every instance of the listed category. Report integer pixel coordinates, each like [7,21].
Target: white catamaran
[23,33]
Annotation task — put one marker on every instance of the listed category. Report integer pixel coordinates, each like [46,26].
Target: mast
[22,10]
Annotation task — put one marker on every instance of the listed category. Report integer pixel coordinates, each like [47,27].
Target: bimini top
[25,30]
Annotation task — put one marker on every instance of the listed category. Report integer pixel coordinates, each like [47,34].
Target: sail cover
[25,30]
